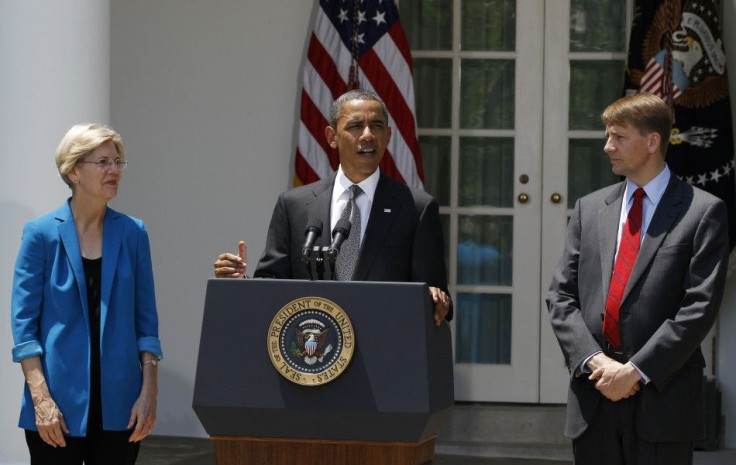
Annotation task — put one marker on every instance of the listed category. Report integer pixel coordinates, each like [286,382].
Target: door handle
[523,198]
[555,198]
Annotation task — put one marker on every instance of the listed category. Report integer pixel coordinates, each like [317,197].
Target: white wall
[204,94]
[55,73]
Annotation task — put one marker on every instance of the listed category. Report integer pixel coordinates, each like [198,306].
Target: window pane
[487,94]
[588,169]
[597,26]
[436,165]
[593,86]
[483,328]
[427,23]
[489,25]
[433,87]
[484,250]
[486,172]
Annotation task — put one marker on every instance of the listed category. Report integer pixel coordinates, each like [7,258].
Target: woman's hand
[143,415]
[49,421]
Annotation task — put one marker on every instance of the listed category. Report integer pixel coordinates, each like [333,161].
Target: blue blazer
[50,318]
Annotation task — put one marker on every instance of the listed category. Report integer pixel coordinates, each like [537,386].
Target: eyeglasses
[106,164]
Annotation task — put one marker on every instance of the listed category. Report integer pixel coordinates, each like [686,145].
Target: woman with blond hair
[83,315]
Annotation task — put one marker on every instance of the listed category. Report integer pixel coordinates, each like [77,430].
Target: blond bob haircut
[646,112]
[80,141]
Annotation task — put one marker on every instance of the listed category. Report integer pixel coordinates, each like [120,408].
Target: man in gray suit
[636,290]
[398,234]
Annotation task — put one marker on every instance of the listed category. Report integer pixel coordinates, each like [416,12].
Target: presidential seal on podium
[311,341]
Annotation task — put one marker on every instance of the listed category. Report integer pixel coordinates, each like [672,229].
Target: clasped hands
[230,265]
[614,380]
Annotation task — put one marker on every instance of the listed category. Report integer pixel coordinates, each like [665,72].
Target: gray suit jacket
[402,242]
[668,307]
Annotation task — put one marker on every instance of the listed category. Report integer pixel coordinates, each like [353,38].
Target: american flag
[357,43]
[653,77]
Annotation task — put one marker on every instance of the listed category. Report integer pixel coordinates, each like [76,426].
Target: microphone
[313,231]
[339,234]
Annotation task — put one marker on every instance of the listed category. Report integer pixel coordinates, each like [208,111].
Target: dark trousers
[98,448]
[611,439]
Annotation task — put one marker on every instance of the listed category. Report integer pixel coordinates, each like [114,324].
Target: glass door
[478,81]
[508,94]
[584,59]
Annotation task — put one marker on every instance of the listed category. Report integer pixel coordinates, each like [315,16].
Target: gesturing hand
[228,265]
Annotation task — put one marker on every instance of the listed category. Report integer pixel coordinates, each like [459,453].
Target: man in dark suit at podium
[395,232]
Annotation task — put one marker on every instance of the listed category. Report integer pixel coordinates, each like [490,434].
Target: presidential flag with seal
[676,52]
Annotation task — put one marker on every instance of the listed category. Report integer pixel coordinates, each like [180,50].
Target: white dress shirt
[341,196]
[654,190]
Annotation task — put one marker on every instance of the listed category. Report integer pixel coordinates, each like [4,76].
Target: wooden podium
[386,407]
[272,451]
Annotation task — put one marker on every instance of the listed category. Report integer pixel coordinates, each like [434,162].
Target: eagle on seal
[311,344]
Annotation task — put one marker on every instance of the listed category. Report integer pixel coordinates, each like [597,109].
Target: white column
[55,73]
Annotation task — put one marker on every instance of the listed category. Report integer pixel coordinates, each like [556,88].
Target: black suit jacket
[402,242]
[668,307]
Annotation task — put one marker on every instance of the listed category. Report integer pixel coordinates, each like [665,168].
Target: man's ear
[655,141]
[330,136]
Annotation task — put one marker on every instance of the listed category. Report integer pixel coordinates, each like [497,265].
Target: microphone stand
[333,258]
[320,262]
[306,260]
[313,231]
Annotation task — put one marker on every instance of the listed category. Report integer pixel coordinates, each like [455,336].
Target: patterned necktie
[348,257]
[627,250]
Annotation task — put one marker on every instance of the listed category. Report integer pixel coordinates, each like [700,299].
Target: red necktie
[627,250]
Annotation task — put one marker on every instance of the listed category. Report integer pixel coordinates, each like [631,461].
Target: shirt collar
[654,188]
[368,185]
